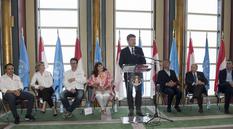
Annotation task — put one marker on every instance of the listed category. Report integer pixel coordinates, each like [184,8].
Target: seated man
[226,84]
[11,86]
[169,85]
[196,82]
[74,80]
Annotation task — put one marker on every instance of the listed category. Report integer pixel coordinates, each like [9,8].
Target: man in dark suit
[169,85]
[196,82]
[226,84]
[132,55]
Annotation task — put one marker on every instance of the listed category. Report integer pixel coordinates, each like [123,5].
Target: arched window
[61,15]
[204,17]
[132,16]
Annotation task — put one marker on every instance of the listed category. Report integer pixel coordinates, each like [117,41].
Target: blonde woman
[42,81]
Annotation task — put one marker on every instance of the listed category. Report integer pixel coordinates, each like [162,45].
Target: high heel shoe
[43,107]
[54,111]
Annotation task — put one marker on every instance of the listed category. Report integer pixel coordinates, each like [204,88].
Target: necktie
[133,52]
[195,77]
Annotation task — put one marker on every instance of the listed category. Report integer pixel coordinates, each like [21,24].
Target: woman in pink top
[101,81]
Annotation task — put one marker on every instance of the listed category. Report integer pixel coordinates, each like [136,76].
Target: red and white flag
[190,57]
[119,89]
[78,54]
[41,53]
[221,64]
[154,70]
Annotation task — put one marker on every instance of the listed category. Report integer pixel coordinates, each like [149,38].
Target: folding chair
[38,99]
[94,101]
[3,106]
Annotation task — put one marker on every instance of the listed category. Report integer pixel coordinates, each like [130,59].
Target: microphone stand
[156,114]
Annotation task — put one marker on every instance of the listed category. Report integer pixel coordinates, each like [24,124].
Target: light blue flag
[140,45]
[58,69]
[24,68]
[206,64]
[98,55]
[174,58]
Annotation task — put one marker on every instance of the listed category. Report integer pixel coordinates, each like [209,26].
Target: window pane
[67,36]
[146,36]
[58,4]
[134,5]
[211,90]
[147,53]
[50,52]
[50,68]
[199,39]
[133,20]
[69,53]
[203,6]
[202,22]
[199,54]
[212,70]
[147,89]
[59,18]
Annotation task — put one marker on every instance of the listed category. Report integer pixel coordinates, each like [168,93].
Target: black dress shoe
[177,108]
[169,110]
[191,100]
[139,113]
[16,120]
[226,112]
[200,110]
[131,114]
[29,117]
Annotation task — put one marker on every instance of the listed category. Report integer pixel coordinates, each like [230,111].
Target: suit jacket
[163,78]
[127,58]
[222,79]
[189,79]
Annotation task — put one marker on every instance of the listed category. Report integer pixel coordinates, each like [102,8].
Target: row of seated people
[101,81]
[195,82]
[42,81]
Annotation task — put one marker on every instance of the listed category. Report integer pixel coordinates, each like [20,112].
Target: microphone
[146,57]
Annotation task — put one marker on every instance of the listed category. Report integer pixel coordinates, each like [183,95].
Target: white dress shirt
[195,78]
[79,79]
[8,83]
[229,76]
[168,72]
[131,50]
[45,80]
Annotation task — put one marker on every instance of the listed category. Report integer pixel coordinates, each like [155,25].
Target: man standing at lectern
[132,55]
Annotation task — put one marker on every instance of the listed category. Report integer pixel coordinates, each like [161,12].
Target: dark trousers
[46,95]
[171,92]
[78,95]
[197,93]
[11,100]
[129,90]
[228,90]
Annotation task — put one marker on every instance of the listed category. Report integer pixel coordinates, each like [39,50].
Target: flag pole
[222,35]
[22,32]
[119,34]
[77,33]
[57,32]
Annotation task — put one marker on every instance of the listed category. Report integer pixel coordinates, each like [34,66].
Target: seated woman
[101,81]
[42,81]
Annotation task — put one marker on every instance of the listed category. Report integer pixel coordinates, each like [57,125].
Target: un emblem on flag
[58,70]
[22,68]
